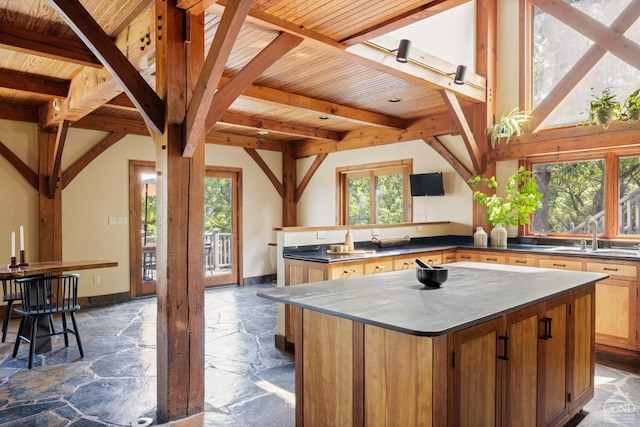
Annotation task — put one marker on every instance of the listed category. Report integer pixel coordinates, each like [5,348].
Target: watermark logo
[621,412]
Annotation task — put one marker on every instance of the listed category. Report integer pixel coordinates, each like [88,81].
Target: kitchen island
[495,345]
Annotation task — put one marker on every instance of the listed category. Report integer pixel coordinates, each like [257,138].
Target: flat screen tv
[426,184]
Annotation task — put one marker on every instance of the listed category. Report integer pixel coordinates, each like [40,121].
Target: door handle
[505,348]
[546,321]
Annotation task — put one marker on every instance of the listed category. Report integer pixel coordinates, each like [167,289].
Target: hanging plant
[509,125]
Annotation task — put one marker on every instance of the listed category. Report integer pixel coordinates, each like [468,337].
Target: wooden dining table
[50,267]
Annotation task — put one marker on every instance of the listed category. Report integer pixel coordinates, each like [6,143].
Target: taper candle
[13,243]
[21,238]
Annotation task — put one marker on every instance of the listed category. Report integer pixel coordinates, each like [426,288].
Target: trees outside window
[374,193]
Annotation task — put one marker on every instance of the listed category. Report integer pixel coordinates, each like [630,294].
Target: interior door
[142,228]
[221,226]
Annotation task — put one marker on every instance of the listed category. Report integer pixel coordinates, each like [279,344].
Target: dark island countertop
[474,292]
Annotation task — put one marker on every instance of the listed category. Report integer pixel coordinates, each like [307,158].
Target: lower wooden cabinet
[530,367]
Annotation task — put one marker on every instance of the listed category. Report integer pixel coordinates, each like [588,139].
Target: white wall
[317,206]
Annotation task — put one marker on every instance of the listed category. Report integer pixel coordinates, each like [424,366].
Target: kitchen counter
[319,253]
[473,293]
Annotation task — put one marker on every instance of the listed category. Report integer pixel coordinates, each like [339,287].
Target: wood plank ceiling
[331,85]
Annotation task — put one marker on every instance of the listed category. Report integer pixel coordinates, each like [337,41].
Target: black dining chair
[47,296]
[10,294]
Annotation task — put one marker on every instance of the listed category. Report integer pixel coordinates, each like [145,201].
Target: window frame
[611,160]
[404,167]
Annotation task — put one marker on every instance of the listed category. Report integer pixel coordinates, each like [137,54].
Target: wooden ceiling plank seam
[465,131]
[624,48]
[23,169]
[46,45]
[449,157]
[149,104]
[278,127]
[232,140]
[212,69]
[234,87]
[581,68]
[135,12]
[321,107]
[267,171]
[72,171]
[56,159]
[307,176]
[33,84]
[428,9]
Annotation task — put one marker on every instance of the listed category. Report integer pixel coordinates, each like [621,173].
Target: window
[374,193]
[576,189]
[559,52]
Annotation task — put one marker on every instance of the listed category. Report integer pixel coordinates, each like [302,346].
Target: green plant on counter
[521,200]
[510,124]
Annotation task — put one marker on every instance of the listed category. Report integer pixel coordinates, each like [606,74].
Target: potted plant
[631,106]
[510,124]
[603,107]
[521,200]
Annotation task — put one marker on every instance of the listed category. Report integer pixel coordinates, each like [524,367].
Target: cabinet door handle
[505,342]
[546,321]
[610,269]
[465,257]
[380,267]
[349,271]
[559,265]
[492,259]
[519,261]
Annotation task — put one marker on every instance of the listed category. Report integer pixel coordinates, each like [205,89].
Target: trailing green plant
[603,107]
[510,124]
[521,200]
[631,106]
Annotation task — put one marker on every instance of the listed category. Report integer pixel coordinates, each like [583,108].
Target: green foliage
[388,203]
[389,199]
[510,124]
[603,107]
[217,204]
[631,106]
[359,201]
[522,198]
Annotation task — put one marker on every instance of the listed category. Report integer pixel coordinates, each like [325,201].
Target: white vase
[480,238]
[499,236]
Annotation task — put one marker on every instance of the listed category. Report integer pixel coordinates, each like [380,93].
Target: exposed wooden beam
[20,113]
[429,8]
[465,130]
[231,140]
[563,88]
[33,84]
[150,106]
[21,167]
[437,124]
[566,140]
[77,166]
[56,159]
[226,34]
[619,45]
[281,128]
[321,107]
[112,124]
[267,171]
[234,87]
[307,177]
[46,45]
[92,87]
[455,163]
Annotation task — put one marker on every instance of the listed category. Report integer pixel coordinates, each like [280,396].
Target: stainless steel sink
[567,249]
[618,252]
[589,251]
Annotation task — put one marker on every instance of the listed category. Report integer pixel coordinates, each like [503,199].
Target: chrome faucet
[593,224]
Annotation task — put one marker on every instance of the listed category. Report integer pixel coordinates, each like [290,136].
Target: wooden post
[289,213]
[50,209]
[180,214]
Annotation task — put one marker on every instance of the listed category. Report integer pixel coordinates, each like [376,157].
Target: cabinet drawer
[380,266]
[523,260]
[404,263]
[561,264]
[466,256]
[448,257]
[492,258]
[343,271]
[627,271]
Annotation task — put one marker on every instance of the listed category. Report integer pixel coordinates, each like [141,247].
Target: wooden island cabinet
[394,353]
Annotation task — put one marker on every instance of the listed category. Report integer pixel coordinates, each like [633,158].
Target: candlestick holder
[23,259]
[13,263]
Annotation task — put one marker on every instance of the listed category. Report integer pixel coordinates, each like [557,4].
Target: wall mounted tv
[426,184]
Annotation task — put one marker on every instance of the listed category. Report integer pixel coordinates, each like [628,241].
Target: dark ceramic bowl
[432,277]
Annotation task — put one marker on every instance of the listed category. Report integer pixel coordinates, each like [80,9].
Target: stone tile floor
[247,381]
